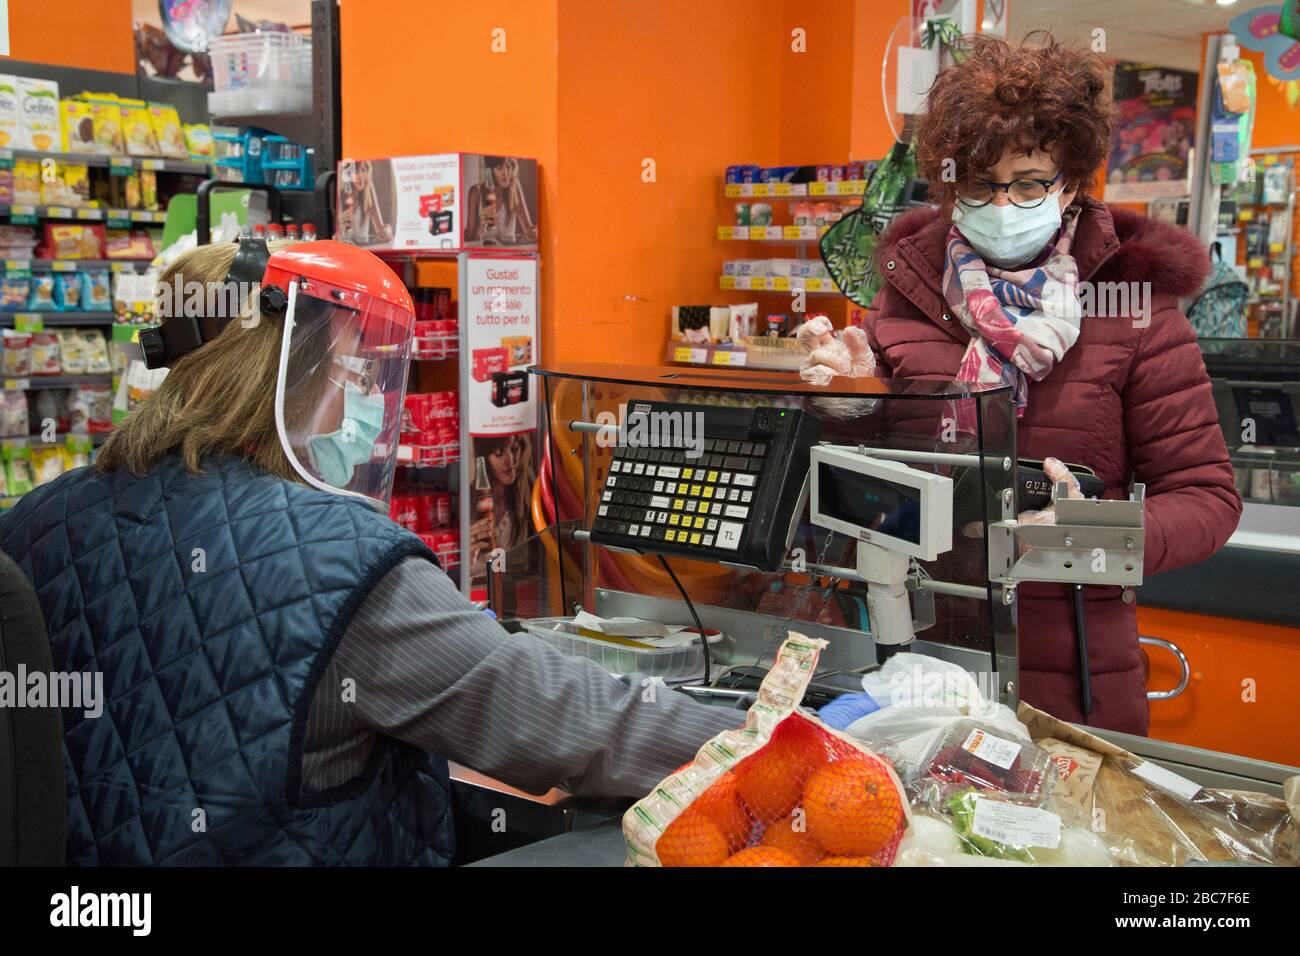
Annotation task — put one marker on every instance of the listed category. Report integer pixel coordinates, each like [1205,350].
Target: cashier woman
[287,671]
[1011,142]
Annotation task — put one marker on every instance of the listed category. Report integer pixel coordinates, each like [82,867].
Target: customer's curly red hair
[1047,97]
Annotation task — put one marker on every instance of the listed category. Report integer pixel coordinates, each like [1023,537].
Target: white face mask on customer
[1008,236]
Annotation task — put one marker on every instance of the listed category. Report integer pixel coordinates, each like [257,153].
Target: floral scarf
[1021,321]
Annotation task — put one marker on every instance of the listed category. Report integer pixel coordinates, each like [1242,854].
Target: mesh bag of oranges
[784,790]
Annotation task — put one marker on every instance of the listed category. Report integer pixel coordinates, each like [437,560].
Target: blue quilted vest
[210,661]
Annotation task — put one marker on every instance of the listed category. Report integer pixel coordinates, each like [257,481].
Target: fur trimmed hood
[1111,245]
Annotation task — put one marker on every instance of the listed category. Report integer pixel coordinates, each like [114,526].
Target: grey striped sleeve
[435,672]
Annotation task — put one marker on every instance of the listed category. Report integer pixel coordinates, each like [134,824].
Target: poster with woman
[500,201]
[501,517]
[1155,111]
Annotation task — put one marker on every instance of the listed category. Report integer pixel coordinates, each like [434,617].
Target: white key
[634,530]
[729,535]
[645,531]
[745,481]
[659,501]
[663,517]
[649,516]
[666,471]
[713,524]
[659,486]
[746,496]
[615,466]
[708,540]
[651,469]
[724,478]
[717,508]
[611,482]
[639,469]
[733,495]
[607,496]
[603,510]
[690,505]
[737,511]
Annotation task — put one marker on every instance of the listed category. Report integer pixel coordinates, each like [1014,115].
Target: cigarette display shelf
[779,284]
[782,234]
[843,187]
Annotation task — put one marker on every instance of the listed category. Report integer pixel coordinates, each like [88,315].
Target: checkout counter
[876,514]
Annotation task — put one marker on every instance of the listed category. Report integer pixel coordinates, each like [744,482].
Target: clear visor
[338,404]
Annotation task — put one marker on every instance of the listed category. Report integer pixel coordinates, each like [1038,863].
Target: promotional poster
[1154,132]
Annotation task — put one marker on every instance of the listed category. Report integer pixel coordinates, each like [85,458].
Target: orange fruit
[692,840]
[852,807]
[772,780]
[844,861]
[721,803]
[798,843]
[761,856]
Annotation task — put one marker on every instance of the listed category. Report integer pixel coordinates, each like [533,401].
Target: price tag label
[727,282]
[762,189]
[14,384]
[89,214]
[17,265]
[814,285]
[791,232]
[121,267]
[1246,215]
[1158,776]
[1276,247]
[17,210]
[59,212]
[1016,825]
[732,189]
[817,189]
[29,322]
[724,232]
[757,232]
[155,164]
[1256,263]
[760,282]
[7,155]
[995,750]
[63,265]
[121,164]
[779,283]
[783,189]
[682,354]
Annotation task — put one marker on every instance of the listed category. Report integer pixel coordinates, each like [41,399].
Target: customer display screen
[870,502]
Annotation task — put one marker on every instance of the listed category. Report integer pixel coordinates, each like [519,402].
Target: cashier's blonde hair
[219,399]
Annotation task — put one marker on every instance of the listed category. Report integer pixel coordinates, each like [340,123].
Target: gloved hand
[1055,471]
[843,711]
[828,355]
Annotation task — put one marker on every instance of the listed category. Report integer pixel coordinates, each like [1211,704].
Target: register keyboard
[728,491]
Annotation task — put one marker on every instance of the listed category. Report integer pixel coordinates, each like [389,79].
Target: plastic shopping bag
[784,790]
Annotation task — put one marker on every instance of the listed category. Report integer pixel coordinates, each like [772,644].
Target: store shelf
[114,163]
[782,234]
[779,284]
[428,456]
[844,187]
[74,265]
[775,360]
[35,441]
[436,348]
[51,319]
[88,214]
[299,127]
[56,381]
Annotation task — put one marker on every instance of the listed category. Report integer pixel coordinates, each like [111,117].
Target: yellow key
[708,491]
[674,519]
[677,504]
[713,477]
[671,535]
[686,472]
[695,538]
[699,522]
[695,491]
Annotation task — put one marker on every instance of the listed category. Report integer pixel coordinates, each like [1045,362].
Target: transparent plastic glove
[829,355]
[1056,471]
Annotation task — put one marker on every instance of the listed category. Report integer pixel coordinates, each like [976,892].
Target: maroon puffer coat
[1130,400]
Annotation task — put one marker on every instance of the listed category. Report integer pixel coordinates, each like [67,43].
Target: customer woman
[994,285]
[285,668]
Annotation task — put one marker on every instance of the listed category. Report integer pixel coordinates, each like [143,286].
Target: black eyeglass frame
[1047,185]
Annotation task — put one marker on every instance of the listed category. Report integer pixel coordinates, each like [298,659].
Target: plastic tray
[561,634]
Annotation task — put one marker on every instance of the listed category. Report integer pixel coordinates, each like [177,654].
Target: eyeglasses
[1025,193]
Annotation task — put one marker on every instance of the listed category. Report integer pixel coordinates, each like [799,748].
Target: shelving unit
[116,164]
[18,213]
[28,320]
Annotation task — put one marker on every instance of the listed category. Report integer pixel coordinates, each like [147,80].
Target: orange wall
[593,88]
[94,34]
[1277,123]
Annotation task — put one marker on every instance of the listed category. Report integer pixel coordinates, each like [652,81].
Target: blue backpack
[1219,310]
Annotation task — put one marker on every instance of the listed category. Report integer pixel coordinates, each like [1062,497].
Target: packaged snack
[27,182]
[166,123]
[50,405]
[18,469]
[520,348]
[148,189]
[744,319]
[67,291]
[107,117]
[38,103]
[76,452]
[128,244]
[66,240]
[18,353]
[78,126]
[6,186]
[137,130]
[198,140]
[71,356]
[47,463]
[76,184]
[98,400]
[96,291]
[14,289]
[785,790]
[11,123]
[970,755]
[40,298]
[45,353]
[95,349]
[13,413]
